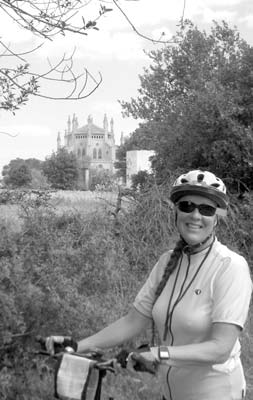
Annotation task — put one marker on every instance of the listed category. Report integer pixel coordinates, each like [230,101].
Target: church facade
[93,146]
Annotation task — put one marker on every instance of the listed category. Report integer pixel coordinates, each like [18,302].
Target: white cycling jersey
[219,290]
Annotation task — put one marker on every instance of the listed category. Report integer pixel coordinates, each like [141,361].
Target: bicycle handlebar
[140,363]
[101,362]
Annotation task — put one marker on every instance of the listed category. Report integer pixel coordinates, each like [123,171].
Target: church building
[93,146]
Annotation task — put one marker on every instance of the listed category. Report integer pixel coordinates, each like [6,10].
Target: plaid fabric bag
[77,379]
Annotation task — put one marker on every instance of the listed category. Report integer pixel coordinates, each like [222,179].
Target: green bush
[102,180]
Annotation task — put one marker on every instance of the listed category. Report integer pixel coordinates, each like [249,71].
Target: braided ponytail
[170,267]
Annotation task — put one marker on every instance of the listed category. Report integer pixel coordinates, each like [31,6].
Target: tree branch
[7,133]
[144,36]
[47,19]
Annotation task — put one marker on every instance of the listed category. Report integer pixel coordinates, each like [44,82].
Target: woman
[198,298]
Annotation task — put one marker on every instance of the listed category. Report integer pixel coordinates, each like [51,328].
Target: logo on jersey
[197,291]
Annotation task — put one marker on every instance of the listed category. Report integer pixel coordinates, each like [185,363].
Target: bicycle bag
[76,378]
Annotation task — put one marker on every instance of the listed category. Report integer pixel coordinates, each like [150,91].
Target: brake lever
[106,365]
[47,354]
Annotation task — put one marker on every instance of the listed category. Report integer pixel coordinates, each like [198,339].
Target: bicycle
[80,375]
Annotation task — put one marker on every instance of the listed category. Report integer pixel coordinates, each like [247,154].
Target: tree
[141,181]
[32,169]
[17,174]
[61,170]
[45,19]
[102,180]
[198,97]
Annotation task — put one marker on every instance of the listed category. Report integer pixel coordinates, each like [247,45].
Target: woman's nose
[195,213]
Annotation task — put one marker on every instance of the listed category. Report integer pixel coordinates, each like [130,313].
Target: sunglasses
[204,209]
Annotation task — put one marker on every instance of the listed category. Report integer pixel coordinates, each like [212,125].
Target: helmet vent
[202,183]
[200,177]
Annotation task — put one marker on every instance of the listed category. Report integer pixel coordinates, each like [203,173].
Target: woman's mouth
[193,226]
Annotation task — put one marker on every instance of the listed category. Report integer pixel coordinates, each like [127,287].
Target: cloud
[208,10]
[147,12]
[117,45]
[24,132]
[248,20]
[210,15]
[11,32]
[223,3]
[32,141]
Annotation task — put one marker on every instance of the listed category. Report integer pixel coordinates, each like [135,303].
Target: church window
[83,152]
[78,153]
[99,153]
[94,153]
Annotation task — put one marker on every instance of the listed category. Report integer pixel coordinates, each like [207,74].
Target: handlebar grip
[58,346]
[40,339]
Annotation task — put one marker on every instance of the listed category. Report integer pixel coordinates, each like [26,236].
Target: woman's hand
[143,362]
[56,344]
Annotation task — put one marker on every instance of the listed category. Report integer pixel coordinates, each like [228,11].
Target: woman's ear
[216,221]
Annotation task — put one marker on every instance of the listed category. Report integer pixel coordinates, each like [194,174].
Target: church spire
[90,120]
[112,125]
[69,124]
[58,141]
[105,123]
[74,123]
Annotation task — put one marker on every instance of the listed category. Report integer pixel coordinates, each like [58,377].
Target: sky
[116,52]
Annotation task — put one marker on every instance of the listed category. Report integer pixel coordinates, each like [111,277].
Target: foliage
[55,269]
[17,174]
[197,97]
[39,181]
[61,170]
[141,180]
[146,227]
[45,19]
[102,180]
[24,173]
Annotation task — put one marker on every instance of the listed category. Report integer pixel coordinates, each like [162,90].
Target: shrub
[102,180]
[19,175]
[61,170]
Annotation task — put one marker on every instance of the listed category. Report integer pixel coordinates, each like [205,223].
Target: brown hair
[170,267]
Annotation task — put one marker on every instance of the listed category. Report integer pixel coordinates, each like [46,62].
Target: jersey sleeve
[145,298]
[232,289]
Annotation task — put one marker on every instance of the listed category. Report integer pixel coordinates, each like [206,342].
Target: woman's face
[195,227]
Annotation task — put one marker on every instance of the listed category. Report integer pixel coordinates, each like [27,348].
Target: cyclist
[197,296]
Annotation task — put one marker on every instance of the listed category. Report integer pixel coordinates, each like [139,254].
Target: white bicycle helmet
[202,183]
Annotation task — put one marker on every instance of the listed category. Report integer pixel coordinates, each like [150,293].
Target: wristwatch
[163,353]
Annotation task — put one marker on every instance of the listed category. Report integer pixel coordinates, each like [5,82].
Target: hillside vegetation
[68,267]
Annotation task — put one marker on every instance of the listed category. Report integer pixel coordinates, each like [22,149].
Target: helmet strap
[191,249]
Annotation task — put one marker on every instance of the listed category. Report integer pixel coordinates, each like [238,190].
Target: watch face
[163,352]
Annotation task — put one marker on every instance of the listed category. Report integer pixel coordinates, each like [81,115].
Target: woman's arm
[116,333]
[215,350]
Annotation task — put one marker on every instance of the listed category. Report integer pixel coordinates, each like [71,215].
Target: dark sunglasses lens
[186,206]
[204,209]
